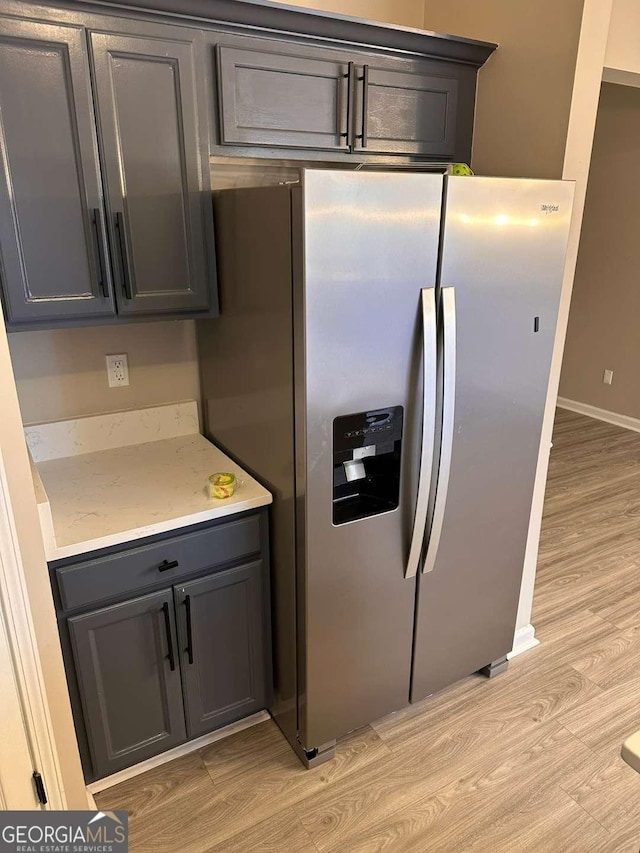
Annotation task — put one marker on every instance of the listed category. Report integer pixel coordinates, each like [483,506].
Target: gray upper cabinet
[409,111]
[152,117]
[129,680]
[221,630]
[103,214]
[107,122]
[52,236]
[279,94]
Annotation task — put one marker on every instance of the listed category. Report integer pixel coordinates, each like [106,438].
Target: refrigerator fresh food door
[503,253]
[367,270]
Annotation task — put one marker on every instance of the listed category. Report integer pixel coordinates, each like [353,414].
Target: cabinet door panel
[131,697]
[156,156]
[409,112]
[226,679]
[53,248]
[286,98]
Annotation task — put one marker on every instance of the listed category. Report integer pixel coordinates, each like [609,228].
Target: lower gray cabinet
[188,657]
[220,632]
[129,680]
[166,639]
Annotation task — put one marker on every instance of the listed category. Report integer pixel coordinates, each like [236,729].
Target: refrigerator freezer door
[503,255]
[370,245]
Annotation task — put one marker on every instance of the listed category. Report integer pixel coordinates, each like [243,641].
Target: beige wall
[605,308]
[577,158]
[408,13]
[623,45]
[62,373]
[524,90]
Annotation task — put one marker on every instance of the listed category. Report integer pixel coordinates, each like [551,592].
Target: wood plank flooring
[526,762]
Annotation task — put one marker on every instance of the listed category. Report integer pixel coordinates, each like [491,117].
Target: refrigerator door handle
[448,413]
[429,360]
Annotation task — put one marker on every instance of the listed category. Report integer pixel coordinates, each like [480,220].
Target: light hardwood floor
[526,762]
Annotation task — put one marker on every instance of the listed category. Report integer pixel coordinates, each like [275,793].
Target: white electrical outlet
[608,377]
[117,370]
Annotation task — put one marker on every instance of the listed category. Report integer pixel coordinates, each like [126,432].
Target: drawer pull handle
[167,627]
[189,649]
[165,565]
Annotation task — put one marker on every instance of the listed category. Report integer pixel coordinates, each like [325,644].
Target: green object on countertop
[222,485]
[460,169]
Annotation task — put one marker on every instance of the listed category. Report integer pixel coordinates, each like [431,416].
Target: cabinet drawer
[138,568]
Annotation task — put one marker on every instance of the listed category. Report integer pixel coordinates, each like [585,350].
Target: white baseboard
[524,640]
[177,752]
[624,421]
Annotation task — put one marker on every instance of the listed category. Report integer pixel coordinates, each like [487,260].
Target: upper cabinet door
[53,252]
[152,119]
[283,95]
[224,646]
[407,111]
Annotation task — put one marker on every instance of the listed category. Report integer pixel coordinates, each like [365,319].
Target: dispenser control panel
[366,463]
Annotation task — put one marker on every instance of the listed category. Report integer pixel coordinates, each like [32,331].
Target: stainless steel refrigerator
[381,364]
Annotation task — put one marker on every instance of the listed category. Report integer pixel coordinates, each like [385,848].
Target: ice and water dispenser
[366,463]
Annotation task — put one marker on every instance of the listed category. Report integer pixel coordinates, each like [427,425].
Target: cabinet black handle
[165,565]
[346,120]
[124,257]
[365,105]
[189,649]
[167,627]
[96,227]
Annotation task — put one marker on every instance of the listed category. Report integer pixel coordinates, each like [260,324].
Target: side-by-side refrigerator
[381,364]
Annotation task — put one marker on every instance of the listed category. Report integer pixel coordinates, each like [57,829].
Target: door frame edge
[25,655]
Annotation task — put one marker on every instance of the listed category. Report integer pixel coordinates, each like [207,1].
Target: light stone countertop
[97,499]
